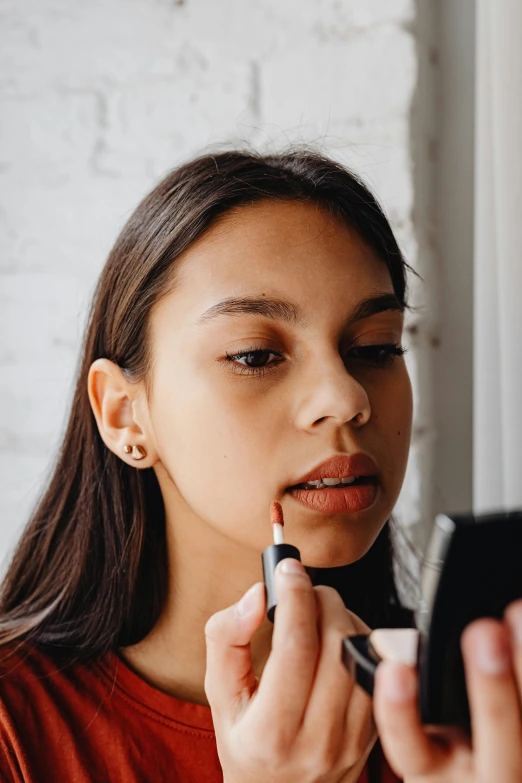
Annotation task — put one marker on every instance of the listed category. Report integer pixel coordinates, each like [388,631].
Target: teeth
[328,482]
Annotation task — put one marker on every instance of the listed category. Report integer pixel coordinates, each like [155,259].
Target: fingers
[229,679]
[406,745]
[289,670]
[513,616]
[494,701]
[359,725]
[492,674]
[333,687]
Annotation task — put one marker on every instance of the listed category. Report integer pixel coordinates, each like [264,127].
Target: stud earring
[137,452]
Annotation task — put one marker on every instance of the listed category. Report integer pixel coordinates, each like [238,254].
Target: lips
[342,499]
[342,466]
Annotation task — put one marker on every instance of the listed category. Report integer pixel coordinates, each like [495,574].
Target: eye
[254,360]
[376,355]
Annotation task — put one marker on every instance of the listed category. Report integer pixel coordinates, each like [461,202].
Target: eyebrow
[289,312]
[276,309]
[375,305]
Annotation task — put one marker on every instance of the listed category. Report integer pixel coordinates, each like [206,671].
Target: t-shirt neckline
[196,716]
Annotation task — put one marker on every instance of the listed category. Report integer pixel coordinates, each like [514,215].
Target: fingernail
[291,566]
[490,653]
[514,619]
[248,602]
[396,682]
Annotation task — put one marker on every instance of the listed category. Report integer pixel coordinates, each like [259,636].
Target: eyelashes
[256,360]
[378,355]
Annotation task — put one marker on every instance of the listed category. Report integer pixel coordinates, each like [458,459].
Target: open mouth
[335,483]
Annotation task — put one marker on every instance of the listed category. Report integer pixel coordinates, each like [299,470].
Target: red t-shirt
[100,722]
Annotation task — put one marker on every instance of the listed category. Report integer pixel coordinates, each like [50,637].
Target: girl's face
[259,375]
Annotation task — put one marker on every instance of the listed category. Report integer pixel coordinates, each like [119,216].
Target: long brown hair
[90,572]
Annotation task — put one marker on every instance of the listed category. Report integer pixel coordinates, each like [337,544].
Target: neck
[204,577]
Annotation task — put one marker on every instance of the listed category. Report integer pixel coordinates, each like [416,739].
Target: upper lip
[342,466]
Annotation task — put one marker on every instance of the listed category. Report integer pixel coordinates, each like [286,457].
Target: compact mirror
[473,568]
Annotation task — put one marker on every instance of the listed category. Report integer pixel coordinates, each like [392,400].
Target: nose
[330,393]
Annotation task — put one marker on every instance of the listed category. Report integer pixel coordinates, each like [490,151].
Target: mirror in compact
[472,569]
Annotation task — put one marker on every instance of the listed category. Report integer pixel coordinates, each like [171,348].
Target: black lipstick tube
[271,556]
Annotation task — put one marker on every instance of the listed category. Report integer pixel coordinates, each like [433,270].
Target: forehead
[282,248]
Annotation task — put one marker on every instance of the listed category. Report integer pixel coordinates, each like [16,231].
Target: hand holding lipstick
[303,720]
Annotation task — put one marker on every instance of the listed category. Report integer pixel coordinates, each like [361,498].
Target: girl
[244,340]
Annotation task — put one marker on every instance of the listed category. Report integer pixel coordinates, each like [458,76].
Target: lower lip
[337,501]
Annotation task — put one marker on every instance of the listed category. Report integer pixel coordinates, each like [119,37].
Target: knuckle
[300,585]
[298,646]
[332,605]
[328,595]
[277,746]
[494,706]
[214,626]
[319,768]
[358,625]
[514,610]
[325,766]
[210,626]
[279,749]
[326,754]
[212,692]
[484,625]
[208,686]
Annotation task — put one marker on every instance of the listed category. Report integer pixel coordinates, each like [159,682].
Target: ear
[121,412]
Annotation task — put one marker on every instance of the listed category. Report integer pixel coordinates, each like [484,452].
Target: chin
[335,552]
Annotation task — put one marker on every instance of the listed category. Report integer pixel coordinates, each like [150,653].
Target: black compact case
[473,568]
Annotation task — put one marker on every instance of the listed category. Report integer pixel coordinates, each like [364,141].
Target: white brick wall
[99,99]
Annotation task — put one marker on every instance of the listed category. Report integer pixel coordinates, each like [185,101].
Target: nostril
[360,418]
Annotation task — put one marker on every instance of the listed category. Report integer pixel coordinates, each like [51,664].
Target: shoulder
[22,672]
[21,667]
[26,671]
[19,659]
[37,684]
[33,679]
[30,681]
[45,703]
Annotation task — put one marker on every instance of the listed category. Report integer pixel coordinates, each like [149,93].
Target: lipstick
[273,554]
[342,484]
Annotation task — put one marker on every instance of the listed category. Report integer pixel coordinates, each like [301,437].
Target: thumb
[229,679]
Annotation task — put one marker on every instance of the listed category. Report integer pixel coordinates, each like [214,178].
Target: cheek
[392,408]
[217,454]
